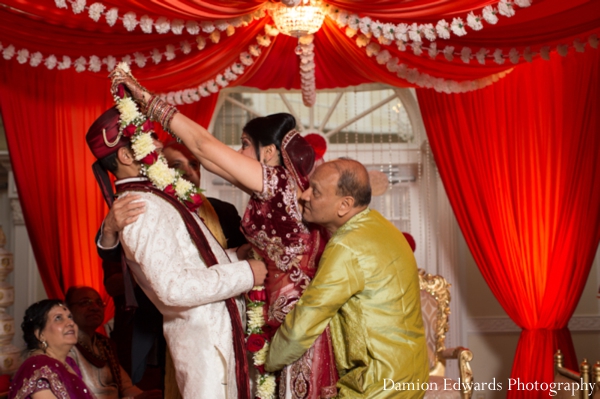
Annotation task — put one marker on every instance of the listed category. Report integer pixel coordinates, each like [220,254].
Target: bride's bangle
[162,112]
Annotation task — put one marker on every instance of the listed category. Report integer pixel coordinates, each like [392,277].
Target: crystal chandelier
[302,19]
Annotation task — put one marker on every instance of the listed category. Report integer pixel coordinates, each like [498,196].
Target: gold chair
[573,384]
[435,306]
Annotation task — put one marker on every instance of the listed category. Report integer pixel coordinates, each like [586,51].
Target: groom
[184,271]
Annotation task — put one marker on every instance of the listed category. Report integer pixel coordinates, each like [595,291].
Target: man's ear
[346,204]
[125,156]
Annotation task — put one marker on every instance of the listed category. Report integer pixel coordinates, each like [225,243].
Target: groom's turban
[103,136]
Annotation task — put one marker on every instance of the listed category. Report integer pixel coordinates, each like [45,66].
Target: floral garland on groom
[138,129]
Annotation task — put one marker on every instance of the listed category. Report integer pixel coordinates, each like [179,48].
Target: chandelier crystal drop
[303,19]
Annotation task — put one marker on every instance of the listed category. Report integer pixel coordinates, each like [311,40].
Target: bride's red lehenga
[291,250]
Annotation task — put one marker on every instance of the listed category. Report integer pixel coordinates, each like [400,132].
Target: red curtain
[519,161]
[46,116]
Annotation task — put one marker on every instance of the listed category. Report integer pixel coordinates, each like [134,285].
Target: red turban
[106,130]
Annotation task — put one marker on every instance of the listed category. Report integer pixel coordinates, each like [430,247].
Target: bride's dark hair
[270,129]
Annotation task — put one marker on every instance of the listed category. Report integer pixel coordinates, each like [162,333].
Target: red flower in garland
[121,91]
[268,332]
[148,125]
[194,202]
[129,131]
[170,190]
[257,295]
[150,158]
[255,342]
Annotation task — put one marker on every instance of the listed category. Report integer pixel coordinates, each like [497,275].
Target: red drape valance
[339,62]
[519,161]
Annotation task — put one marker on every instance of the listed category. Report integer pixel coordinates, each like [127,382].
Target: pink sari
[41,372]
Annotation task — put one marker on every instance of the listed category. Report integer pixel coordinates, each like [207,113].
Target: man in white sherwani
[171,254]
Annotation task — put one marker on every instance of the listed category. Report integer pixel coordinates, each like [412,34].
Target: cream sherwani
[166,264]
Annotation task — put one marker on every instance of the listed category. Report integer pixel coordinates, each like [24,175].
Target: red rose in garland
[147,126]
[150,158]
[129,131]
[257,295]
[121,91]
[255,342]
[194,202]
[170,190]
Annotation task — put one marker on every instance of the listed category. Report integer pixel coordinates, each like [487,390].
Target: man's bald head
[353,181]
[338,190]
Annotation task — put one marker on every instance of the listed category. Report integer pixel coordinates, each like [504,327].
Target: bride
[272,166]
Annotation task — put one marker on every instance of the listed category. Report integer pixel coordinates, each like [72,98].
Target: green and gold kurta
[367,290]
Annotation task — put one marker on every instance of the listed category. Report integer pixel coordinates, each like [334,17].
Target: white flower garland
[135,126]
[386,33]
[266,382]
[161,25]
[95,64]
[412,75]
[230,74]
[307,70]
[483,54]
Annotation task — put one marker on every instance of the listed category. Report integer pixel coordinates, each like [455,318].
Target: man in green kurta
[366,289]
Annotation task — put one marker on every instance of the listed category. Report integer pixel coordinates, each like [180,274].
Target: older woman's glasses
[86,303]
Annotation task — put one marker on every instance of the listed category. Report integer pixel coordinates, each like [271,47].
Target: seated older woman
[96,354]
[48,373]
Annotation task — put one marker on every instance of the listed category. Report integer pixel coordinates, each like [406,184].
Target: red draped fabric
[538,235]
[46,116]
[339,61]
[519,161]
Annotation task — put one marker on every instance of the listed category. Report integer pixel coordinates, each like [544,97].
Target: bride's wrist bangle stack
[162,112]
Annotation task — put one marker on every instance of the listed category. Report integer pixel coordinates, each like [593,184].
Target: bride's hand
[125,78]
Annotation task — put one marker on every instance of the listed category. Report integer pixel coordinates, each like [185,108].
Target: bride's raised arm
[215,156]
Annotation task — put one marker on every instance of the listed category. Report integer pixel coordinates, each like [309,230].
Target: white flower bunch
[255,318]
[183,188]
[142,145]
[261,356]
[266,386]
[128,110]
[159,173]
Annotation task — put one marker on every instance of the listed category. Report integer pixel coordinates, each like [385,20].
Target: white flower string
[307,70]
[257,343]
[412,75]
[230,74]
[160,24]
[135,126]
[467,55]
[387,33]
[95,63]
